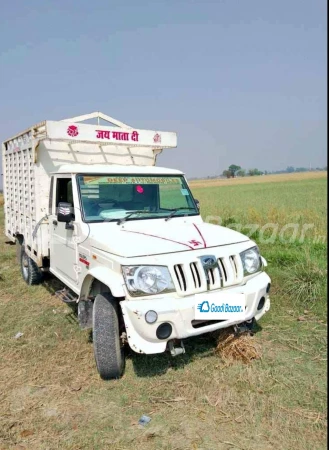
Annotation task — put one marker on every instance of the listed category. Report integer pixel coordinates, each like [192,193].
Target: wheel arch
[102,276]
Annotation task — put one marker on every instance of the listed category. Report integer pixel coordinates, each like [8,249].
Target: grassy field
[281,199]
[52,397]
[276,178]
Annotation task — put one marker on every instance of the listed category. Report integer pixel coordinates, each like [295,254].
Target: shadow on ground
[154,365]
[52,285]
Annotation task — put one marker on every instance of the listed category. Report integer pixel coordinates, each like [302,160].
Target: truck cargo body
[31,157]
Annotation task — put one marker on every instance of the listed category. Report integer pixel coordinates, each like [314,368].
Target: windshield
[114,197]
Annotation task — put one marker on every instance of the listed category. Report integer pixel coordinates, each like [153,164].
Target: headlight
[251,260]
[150,280]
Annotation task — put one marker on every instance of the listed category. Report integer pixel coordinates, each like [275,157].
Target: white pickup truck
[87,203]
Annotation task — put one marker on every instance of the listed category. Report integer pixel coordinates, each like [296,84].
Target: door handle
[55,222]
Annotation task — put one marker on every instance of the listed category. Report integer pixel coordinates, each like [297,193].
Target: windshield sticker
[88,180]
[130,180]
[184,192]
[143,180]
[140,189]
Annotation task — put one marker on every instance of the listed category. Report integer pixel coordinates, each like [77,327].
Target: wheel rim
[25,265]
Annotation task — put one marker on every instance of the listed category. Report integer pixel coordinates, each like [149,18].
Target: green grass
[52,397]
[300,202]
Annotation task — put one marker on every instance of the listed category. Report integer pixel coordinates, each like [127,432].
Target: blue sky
[241,81]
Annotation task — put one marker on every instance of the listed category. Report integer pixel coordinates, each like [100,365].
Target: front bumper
[179,312]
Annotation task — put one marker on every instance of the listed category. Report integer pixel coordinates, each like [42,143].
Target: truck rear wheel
[108,348]
[29,269]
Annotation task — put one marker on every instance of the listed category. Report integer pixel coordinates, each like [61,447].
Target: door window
[64,192]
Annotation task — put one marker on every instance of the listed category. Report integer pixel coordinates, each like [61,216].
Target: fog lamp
[151,316]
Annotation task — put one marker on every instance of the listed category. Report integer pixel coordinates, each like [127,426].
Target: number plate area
[220,306]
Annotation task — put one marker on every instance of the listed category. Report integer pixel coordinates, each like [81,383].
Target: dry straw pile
[233,347]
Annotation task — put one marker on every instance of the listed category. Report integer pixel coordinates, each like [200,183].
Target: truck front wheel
[108,348]
[29,269]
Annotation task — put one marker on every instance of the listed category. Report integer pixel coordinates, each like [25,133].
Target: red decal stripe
[159,237]
[84,261]
[204,242]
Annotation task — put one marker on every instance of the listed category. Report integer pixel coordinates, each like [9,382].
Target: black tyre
[29,269]
[108,349]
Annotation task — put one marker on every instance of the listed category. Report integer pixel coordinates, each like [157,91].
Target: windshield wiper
[123,219]
[173,212]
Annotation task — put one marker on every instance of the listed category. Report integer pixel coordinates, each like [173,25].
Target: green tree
[255,172]
[241,173]
[233,168]
[227,174]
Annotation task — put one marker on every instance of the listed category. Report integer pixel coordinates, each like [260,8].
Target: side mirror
[197,203]
[65,213]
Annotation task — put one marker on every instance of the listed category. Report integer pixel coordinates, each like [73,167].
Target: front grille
[193,278]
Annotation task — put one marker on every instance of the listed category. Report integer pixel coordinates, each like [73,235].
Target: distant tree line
[237,171]
[291,169]
[234,171]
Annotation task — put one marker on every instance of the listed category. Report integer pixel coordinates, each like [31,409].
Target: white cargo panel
[19,186]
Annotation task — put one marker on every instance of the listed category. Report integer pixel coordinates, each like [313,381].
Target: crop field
[299,198]
[52,397]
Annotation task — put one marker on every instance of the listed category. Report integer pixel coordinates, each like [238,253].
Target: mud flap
[85,314]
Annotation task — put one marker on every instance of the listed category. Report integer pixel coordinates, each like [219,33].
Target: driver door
[62,245]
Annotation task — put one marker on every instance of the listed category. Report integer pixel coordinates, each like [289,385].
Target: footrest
[66,296]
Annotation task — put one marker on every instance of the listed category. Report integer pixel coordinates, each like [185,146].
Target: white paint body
[55,149]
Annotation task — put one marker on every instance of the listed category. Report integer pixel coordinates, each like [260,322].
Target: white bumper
[179,312]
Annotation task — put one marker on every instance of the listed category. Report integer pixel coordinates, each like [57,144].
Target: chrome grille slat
[211,276]
[229,271]
[234,267]
[214,278]
[239,267]
[180,277]
[204,285]
[190,280]
[223,270]
[195,275]
[218,278]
